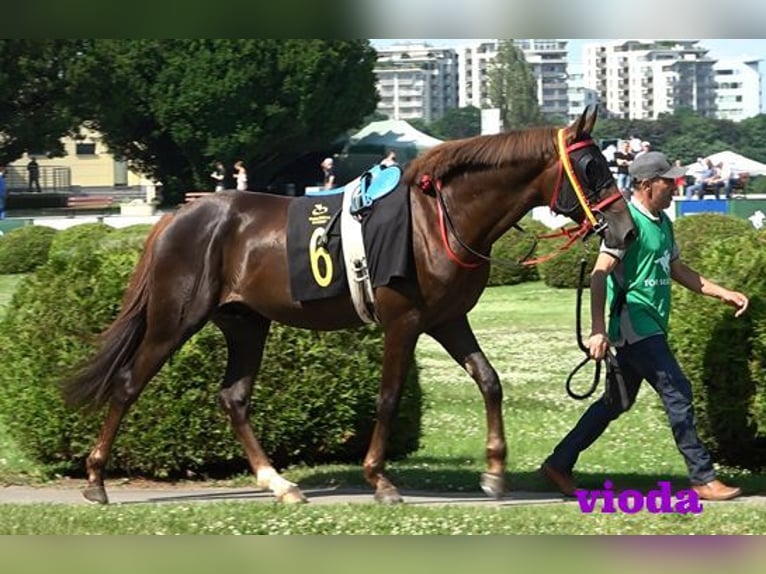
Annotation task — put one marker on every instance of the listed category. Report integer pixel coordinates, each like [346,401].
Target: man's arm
[598,342]
[693,281]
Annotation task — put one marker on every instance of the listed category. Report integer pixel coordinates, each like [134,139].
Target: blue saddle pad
[375,183]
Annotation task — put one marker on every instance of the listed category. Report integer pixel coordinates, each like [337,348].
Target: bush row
[313,401]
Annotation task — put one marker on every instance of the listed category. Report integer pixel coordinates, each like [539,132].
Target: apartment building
[547,59]
[416,81]
[738,89]
[637,79]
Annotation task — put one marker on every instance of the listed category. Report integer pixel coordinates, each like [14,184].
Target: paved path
[132,495]
[128,494]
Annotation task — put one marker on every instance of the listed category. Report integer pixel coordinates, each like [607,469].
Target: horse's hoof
[95,494]
[388,495]
[292,495]
[493,485]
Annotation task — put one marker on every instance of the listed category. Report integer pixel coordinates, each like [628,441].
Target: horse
[223,259]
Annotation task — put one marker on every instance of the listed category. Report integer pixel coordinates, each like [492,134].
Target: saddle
[358,198]
[373,184]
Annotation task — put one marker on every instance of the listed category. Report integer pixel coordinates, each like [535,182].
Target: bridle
[593,220]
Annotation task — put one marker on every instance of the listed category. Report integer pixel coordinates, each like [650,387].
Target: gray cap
[654,164]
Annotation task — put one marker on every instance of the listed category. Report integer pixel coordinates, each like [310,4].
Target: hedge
[24,249]
[314,399]
[511,249]
[724,356]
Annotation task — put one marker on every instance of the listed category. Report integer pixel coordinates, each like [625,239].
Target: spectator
[3,192]
[218,176]
[240,175]
[680,180]
[328,169]
[645,147]
[729,178]
[709,177]
[33,169]
[390,159]
[623,158]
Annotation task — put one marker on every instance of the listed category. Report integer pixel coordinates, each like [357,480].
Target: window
[83,148]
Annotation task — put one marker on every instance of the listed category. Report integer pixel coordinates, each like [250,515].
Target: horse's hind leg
[245,334]
[458,340]
[130,381]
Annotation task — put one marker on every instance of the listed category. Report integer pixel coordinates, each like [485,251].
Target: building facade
[86,166]
[546,58]
[738,89]
[638,79]
[416,81]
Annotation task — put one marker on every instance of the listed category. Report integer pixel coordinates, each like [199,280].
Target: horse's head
[585,190]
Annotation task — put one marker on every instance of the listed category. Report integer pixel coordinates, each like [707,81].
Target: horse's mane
[484,152]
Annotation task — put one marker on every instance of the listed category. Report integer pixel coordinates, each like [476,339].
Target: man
[328,170]
[33,169]
[638,281]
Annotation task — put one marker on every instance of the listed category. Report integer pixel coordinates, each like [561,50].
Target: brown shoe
[716,490]
[563,481]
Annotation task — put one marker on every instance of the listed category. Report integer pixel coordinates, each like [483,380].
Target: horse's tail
[93,385]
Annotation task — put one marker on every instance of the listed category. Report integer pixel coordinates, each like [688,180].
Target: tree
[34,92]
[458,123]
[173,107]
[513,88]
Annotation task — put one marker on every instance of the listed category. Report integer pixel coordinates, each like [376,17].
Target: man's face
[660,193]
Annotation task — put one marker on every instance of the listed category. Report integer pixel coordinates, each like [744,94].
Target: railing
[52,178]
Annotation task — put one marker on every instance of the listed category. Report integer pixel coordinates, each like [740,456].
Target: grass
[527,332]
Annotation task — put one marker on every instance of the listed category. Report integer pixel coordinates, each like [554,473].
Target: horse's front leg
[399,346]
[458,340]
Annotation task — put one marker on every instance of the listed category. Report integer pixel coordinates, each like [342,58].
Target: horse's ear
[585,124]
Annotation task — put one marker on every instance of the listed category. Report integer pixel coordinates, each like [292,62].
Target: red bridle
[590,222]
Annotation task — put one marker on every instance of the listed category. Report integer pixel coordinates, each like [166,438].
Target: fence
[52,178]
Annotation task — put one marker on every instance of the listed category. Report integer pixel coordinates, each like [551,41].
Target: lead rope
[581,344]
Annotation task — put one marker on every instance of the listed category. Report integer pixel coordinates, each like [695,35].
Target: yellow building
[87,167]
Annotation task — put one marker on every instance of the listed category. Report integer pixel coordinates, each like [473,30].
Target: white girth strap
[356,259]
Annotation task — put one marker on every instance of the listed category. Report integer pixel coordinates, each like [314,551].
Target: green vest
[641,281]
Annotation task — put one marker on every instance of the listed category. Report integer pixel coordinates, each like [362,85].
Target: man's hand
[597,345]
[736,300]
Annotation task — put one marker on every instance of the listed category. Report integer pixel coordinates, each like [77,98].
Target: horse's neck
[482,217]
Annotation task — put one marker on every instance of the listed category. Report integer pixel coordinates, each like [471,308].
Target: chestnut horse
[224,259]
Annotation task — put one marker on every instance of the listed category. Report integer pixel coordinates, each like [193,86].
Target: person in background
[622,159]
[645,147]
[680,180]
[33,170]
[390,159]
[638,281]
[3,192]
[328,170]
[218,175]
[240,175]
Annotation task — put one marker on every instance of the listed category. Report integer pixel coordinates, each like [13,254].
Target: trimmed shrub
[24,249]
[694,233]
[314,400]
[563,270]
[724,356]
[511,249]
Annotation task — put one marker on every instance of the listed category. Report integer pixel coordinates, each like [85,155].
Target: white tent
[391,134]
[370,144]
[738,163]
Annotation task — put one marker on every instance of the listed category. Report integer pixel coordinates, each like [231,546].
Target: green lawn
[527,332]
